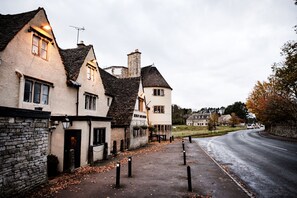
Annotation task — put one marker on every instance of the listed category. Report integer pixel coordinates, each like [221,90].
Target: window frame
[158,92]
[90,101]
[36,95]
[159,109]
[37,48]
[99,136]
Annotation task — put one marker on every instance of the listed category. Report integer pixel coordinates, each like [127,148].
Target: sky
[211,52]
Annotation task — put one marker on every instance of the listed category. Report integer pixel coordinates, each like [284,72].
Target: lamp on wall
[66,122]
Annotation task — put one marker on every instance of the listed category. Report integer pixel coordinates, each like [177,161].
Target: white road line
[269,145]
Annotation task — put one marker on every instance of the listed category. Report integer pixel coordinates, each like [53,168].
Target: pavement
[161,174]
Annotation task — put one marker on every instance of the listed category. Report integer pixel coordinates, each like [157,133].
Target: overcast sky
[211,52]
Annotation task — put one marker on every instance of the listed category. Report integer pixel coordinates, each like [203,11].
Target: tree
[239,108]
[213,121]
[234,120]
[180,115]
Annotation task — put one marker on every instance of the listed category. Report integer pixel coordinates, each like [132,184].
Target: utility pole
[78,29]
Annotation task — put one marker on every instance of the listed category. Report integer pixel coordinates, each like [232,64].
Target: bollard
[118,173]
[170,139]
[129,166]
[184,157]
[189,179]
[190,139]
[159,138]
[183,146]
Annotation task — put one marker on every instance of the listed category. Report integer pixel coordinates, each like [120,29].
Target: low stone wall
[289,131]
[23,150]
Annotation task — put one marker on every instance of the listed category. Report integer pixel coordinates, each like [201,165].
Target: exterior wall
[58,134]
[159,118]
[94,87]
[17,56]
[117,134]
[23,151]
[286,130]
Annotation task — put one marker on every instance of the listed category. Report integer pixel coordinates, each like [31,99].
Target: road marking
[269,145]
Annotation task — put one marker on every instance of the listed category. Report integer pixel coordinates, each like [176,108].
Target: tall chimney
[134,64]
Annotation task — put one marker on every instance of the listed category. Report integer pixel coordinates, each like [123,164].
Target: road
[268,167]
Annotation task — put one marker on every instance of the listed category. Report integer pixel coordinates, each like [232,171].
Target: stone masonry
[23,150]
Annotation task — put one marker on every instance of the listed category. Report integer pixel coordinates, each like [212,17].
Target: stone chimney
[134,64]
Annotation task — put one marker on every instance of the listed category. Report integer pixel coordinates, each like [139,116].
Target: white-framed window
[39,47]
[91,73]
[36,92]
[158,92]
[90,101]
[159,109]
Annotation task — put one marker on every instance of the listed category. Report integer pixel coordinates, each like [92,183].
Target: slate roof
[124,92]
[73,60]
[151,77]
[10,25]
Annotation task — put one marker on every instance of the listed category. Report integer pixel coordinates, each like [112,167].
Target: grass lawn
[200,131]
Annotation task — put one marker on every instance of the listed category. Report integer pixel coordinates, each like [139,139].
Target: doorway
[72,149]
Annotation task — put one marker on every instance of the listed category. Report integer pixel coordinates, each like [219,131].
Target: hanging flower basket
[144,127]
[136,127]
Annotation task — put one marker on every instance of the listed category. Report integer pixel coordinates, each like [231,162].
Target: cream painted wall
[165,101]
[58,134]
[93,87]
[17,56]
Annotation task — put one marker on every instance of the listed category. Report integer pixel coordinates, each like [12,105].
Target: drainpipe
[90,150]
[77,100]
[21,87]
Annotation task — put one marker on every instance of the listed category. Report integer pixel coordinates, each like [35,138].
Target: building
[198,119]
[36,75]
[156,90]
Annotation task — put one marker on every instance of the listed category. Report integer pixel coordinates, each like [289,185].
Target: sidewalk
[160,174]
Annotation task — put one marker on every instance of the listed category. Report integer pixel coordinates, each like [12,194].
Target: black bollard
[170,139]
[190,139]
[159,138]
[118,173]
[189,179]
[129,166]
[183,146]
[184,157]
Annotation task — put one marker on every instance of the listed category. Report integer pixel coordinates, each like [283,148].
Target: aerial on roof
[10,25]
[151,77]
[73,60]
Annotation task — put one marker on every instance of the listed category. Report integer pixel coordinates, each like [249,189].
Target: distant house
[224,120]
[198,119]
[157,92]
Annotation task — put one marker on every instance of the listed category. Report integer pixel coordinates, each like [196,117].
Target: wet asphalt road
[267,166]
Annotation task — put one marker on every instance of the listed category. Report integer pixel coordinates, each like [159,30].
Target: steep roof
[73,60]
[124,92]
[10,25]
[151,77]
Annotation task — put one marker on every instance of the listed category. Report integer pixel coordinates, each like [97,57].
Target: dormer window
[39,47]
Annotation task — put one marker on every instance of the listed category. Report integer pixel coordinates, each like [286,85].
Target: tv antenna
[78,29]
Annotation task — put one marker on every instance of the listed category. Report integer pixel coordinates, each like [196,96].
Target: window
[39,47]
[158,109]
[140,104]
[99,136]
[90,101]
[37,91]
[91,73]
[158,92]
[108,101]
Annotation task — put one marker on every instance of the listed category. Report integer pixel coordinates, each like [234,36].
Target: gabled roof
[73,60]
[151,77]
[124,92]
[10,25]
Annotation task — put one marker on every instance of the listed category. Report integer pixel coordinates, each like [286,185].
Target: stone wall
[289,131]
[23,150]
